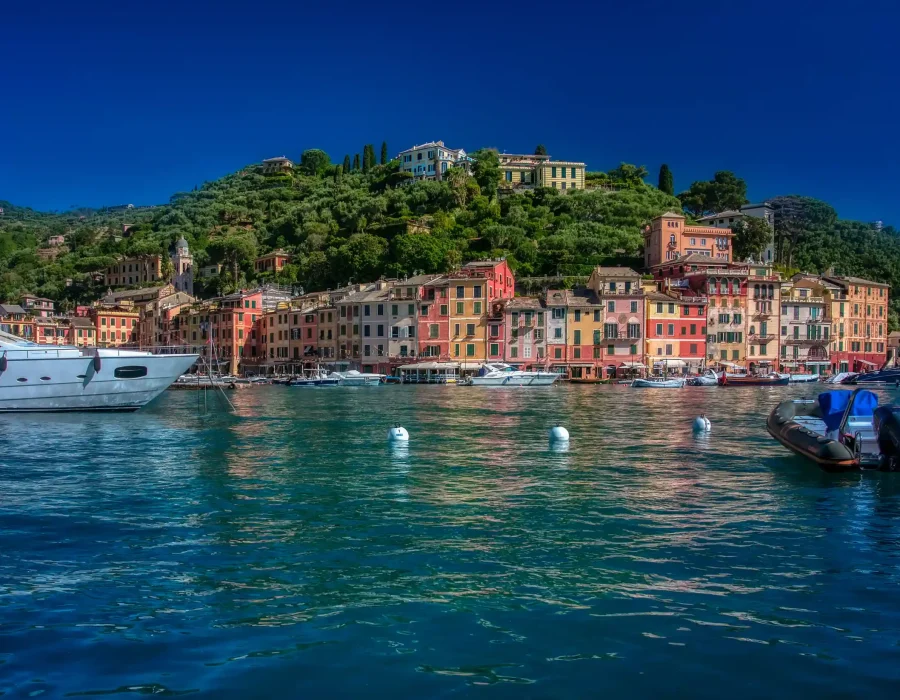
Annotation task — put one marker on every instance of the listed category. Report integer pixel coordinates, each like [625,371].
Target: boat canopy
[834,404]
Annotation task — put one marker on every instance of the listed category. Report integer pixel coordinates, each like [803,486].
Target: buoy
[559,434]
[702,424]
[398,434]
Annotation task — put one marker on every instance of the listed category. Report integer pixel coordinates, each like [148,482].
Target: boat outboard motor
[887,428]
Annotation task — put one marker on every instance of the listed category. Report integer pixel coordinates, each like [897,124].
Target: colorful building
[522,171]
[520,338]
[143,269]
[862,324]
[763,312]
[115,325]
[472,289]
[621,295]
[675,332]
[668,238]
[271,262]
[806,325]
[430,160]
[38,306]
[557,330]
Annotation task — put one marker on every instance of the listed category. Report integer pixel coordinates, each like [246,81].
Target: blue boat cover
[834,403]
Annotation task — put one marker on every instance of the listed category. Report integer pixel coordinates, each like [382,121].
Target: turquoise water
[287,551]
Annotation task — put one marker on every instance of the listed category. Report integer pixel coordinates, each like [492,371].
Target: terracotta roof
[615,272]
[557,297]
[418,280]
[659,296]
[8,309]
[582,297]
[524,303]
[855,280]
[81,322]
[481,263]
[671,215]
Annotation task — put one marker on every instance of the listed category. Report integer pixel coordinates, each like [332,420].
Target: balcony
[803,300]
[762,315]
[804,342]
[622,335]
[761,338]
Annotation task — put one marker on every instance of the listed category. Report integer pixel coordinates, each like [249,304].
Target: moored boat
[752,380]
[708,378]
[499,374]
[658,383]
[884,376]
[355,378]
[42,378]
[840,430]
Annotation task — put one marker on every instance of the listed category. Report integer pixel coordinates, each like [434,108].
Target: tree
[726,191]
[314,162]
[486,170]
[346,164]
[541,150]
[798,219]
[629,174]
[666,181]
[233,250]
[752,234]
[457,179]
[368,157]
[338,174]
[384,153]
[356,162]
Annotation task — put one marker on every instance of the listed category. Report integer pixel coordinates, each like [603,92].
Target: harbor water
[288,549]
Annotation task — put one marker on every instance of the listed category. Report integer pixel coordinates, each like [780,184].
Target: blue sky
[108,103]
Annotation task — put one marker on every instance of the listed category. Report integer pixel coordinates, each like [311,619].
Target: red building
[434,319]
[676,331]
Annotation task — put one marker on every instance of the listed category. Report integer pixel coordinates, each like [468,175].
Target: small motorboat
[708,378]
[658,383]
[841,378]
[355,378]
[890,377]
[803,378]
[840,431]
[727,379]
[317,377]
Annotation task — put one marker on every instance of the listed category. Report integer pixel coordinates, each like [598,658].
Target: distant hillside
[341,226]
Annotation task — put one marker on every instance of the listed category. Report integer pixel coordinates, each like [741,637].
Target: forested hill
[342,223]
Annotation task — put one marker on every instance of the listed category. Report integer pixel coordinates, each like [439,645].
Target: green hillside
[346,225]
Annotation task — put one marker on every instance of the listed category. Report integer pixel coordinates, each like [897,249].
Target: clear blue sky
[118,102]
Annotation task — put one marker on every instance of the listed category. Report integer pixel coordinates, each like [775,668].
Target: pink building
[524,344]
[669,238]
[434,319]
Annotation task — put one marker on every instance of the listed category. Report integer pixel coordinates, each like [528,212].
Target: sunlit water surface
[286,550]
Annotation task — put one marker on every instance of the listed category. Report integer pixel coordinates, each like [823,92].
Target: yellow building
[763,316]
[522,171]
[468,318]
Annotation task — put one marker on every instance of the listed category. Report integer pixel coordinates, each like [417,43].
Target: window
[611,306]
[460,308]
[634,330]
[659,307]
[411,309]
[130,372]
[445,310]
[558,313]
[476,307]
[577,337]
[367,330]
[553,171]
[470,329]
[634,307]
[671,329]
[577,314]
[470,350]
[433,330]
[460,292]
[557,333]
[576,353]
[476,292]
[610,349]
[597,337]
[424,310]
[455,330]
[596,315]
[668,348]
[495,349]
[659,329]
[379,331]
[610,330]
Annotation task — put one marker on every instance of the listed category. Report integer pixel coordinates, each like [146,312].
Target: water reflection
[288,539]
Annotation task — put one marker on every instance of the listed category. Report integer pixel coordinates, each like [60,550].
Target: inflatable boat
[840,430]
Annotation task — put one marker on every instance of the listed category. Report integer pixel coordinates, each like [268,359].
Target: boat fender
[559,434]
[98,363]
[4,362]
[398,434]
[702,424]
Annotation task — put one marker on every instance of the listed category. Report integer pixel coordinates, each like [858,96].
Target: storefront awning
[817,363]
[866,362]
[633,365]
[670,363]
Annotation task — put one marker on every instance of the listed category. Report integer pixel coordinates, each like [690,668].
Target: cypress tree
[356,162]
[666,181]
[384,153]
[338,174]
[346,164]
[541,150]
[366,163]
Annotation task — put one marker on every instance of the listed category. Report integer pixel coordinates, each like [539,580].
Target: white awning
[866,362]
[728,364]
[817,362]
[633,365]
[670,363]
[424,366]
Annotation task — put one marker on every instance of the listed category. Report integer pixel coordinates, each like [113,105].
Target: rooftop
[844,280]
[582,296]
[615,272]
[524,303]
[278,159]
[9,309]
[727,212]
[671,215]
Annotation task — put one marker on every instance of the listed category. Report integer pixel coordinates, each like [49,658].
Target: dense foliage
[341,224]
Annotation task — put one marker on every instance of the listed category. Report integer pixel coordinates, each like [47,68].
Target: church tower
[183,264]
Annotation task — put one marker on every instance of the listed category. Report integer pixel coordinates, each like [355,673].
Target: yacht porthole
[21,379]
[45,379]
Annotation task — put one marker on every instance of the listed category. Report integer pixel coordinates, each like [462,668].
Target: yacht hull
[123,382]
[513,380]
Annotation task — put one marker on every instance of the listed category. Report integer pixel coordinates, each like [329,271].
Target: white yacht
[65,378]
[354,378]
[499,374]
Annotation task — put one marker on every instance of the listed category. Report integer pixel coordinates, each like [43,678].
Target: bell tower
[183,264]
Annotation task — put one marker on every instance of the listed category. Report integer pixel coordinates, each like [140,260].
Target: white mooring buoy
[559,434]
[398,434]
[702,424]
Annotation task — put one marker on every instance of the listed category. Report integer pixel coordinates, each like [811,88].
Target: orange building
[860,333]
[271,262]
[115,326]
[669,238]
